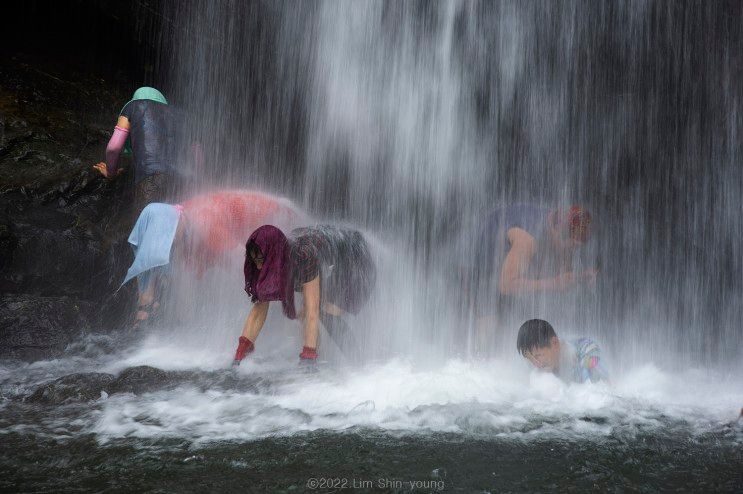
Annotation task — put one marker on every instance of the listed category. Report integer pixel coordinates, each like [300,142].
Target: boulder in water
[142,379]
[73,388]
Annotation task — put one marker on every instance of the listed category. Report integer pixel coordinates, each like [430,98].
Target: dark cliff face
[62,227]
[101,37]
[66,68]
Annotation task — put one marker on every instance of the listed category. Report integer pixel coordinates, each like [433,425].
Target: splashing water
[410,120]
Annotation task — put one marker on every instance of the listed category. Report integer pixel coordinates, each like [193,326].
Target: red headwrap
[273,281]
[579,222]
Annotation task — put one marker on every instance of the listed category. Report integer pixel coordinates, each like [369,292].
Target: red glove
[308,353]
[244,347]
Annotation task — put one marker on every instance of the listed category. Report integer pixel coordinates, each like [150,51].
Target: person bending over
[201,232]
[148,126]
[523,249]
[332,268]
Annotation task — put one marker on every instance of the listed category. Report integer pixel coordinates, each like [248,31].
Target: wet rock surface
[86,386]
[142,379]
[62,226]
[145,379]
[36,327]
[73,388]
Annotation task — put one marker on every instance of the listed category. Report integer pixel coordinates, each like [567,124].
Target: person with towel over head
[331,266]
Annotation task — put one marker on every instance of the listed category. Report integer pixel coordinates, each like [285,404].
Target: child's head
[538,342]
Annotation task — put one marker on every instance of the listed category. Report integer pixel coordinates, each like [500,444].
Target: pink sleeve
[115,145]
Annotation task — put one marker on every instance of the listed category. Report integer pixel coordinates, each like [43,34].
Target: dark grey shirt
[154,134]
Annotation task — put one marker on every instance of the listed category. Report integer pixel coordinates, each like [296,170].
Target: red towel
[222,221]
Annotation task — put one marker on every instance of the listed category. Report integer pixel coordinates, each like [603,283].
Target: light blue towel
[151,238]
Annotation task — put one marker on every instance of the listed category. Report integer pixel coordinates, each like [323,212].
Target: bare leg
[157,282]
[145,299]
[256,319]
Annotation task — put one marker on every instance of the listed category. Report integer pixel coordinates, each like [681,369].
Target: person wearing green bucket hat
[147,126]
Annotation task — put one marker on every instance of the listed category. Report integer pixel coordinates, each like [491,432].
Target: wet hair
[252,250]
[534,333]
[579,223]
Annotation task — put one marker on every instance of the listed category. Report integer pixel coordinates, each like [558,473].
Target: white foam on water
[167,351]
[493,398]
[273,396]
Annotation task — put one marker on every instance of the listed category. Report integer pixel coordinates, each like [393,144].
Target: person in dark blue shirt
[150,127]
